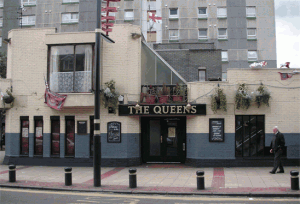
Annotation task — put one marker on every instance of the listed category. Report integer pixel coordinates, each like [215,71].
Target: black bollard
[12,173]
[132,178]
[294,180]
[68,176]
[200,180]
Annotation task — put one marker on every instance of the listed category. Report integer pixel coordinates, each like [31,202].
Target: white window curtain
[54,64]
[224,56]
[222,12]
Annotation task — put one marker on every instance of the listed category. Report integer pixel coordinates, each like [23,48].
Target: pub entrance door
[164,139]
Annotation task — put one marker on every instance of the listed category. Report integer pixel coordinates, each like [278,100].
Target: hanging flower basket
[262,96]
[110,96]
[150,99]
[218,101]
[242,97]
[8,99]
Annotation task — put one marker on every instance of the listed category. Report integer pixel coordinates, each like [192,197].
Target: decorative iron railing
[159,94]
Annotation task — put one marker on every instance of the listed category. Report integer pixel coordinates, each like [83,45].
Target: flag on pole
[285,76]
[54,100]
[261,64]
[153,17]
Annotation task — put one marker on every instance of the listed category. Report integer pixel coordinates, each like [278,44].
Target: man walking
[277,144]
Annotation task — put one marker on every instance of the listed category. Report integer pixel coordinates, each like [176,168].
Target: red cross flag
[261,64]
[153,17]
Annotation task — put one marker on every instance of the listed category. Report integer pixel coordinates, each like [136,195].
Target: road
[10,195]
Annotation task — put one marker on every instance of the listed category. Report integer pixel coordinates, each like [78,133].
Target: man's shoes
[272,172]
[280,172]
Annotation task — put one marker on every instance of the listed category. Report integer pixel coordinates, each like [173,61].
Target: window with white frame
[69,17]
[222,33]
[224,56]
[222,12]
[173,13]
[151,5]
[0,41]
[202,34]
[28,2]
[250,11]
[251,33]
[202,12]
[27,20]
[252,56]
[1,22]
[129,15]
[173,35]
[70,1]
[201,74]
[1,3]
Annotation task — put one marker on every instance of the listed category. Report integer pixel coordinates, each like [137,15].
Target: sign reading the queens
[162,109]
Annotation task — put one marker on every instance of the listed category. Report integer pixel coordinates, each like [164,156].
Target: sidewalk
[158,178]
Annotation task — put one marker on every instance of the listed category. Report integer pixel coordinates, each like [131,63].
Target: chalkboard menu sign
[216,130]
[81,127]
[114,132]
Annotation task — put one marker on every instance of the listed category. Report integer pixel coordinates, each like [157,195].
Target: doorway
[164,139]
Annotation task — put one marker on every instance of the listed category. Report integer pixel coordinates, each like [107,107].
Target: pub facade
[149,112]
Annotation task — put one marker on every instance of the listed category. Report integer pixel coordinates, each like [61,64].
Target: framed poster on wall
[216,130]
[114,132]
[82,127]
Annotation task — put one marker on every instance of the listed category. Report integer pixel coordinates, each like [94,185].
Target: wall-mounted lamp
[121,99]
[188,106]
[6,40]
[135,35]
[137,107]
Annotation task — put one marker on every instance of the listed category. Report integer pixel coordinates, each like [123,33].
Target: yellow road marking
[161,197]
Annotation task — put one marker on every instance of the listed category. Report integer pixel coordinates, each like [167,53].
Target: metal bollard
[294,180]
[200,180]
[68,176]
[132,178]
[12,173]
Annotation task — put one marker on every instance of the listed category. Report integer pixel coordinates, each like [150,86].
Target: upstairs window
[28,2]
[251,33]
[0,41]
[71,68]
[252,56]
[202,12]
[173,35]
[1,3]
[202,74]
[27,21]
[250,12]
[202,34]
[1,22]
[222,33]
[173,13]
[69,18]
[222,12]
[224,56]
[129,15]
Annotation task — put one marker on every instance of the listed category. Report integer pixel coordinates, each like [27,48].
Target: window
[70,1]
[27,20]
[70,136]
[222,33]
[71,68]
[173,13]
[38,135]
[55,135]
[250,12]
[224,76]
[252,56]
[24,141]
[202,12]
[224,56]
[151,5]
[202,34]
[173,35]
[28,2]
[222,12]
[251,33]
[249,136]
[129,15]
[1,3]
[69,18]
[0,41]
[201,74]
[1,22]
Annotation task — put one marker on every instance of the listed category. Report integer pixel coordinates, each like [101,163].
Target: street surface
[9,196]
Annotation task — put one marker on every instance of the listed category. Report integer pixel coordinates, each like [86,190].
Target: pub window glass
[24,137]
[38,139]
[55,137]
[238,136]
[70,137]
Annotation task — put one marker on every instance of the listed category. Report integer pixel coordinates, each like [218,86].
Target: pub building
[152,110]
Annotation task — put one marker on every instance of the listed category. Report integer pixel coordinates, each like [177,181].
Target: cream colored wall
[4,85]
[284,103]
[27,59]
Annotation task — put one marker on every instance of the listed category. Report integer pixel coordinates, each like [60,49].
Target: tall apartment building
[243,29]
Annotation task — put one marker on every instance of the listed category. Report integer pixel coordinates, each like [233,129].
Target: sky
[287,19]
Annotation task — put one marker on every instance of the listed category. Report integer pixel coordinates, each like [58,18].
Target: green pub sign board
[162,109]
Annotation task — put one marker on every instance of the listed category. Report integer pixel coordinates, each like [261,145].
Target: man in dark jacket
[277,144]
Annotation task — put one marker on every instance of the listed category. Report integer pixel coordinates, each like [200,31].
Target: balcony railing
[160,94]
